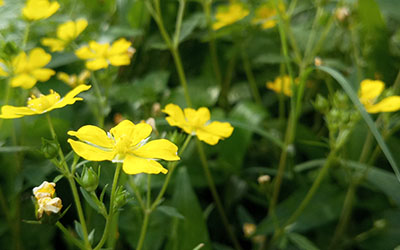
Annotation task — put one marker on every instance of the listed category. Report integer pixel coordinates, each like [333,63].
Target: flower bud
[49,148]
[120,198]
[321,104]
[89,179]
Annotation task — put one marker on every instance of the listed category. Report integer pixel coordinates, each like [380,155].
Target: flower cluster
[230,14]
[46,202]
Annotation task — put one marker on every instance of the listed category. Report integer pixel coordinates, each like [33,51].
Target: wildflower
[46,189]
[126,143]
[26,70]
[281,85]
[39,9]
[317,61]
[74,80]
[1,2]
[66,33]
[342,13]
[266,16]
[197,122]
[43,103]
[48,205]
[370,91]
[227,15]
[99,55]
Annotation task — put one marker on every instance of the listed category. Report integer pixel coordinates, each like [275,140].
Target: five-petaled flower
[43,103]
[26,70]
[74,80]
[370,90]
[126,143]
[281,85]
[197,122]
[66,33]
[230,14]
[39,9]
[100,55]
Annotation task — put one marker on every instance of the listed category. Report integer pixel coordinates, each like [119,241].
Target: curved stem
[111,208]
[215,195]
[70,236]
[250,78]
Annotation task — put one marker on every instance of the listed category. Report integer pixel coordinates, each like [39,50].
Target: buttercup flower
[266,16]
[66,33]
[369,93]
[43,103]
[27,70]
[48,205]
[99,55]
[46,189]
[126,143]
[227,15]
[197,122]
[74,80]
[281,84]
[39,9]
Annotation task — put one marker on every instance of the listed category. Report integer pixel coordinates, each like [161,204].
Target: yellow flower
[227,15]
[46,189]
[39,9]
[281,84]
[48,205]
[197,122]
[66,33]
[27,70]
[126,143]
[74,80]
[370,91]
[43,103]
[99,55]
[1,2]
[266,16]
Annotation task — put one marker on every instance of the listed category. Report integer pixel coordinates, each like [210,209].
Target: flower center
[43,102]
[122,145]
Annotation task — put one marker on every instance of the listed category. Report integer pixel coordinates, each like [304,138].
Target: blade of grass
[368,120]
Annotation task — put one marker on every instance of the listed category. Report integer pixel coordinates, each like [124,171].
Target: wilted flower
[197,122]
[249,229]
[227,15]
[281,85]
[43,103]
[342,13]
[66,33]
[74,80]
[369,92]
[26,70]
[48,205]
[99,55]
[46,189]
[126,143]
[39,9]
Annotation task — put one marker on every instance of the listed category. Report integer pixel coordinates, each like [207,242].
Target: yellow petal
[3,71]
[38,58]
[99,48]
[197,118]
[119,60]
[70,98]
[46,189]
[85,53]
[389,104]
[54,44]
[25,81]
[11,112]
[81,25]
[158,149]
[119,47]
[93,135]
[176,117]
[136,165]
[91,153]
[370,89]
[141,132]
[43,74]
[97,64]
[63,77]
[214,132]
[19,63]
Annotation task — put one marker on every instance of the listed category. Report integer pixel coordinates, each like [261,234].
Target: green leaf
[170,211]
[302,242]
[13,149]
[90,200]
[189,24]
[192,230]
[372,127]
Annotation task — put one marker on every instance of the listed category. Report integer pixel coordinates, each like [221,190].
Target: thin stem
[215,195]
[143,230]
[179,22]
[111,208]
[137,193]
[26,35]
[72,184]
[181,74]
[250,78]
[101,101]
[6,98]
[69,236]
[148,199]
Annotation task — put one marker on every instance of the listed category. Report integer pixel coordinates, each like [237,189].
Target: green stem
[250,78]
[101,101]
[143,230]
[72,184]
[179,22]
[181,74]
[310,194]
[69,236]
[215,195]
[111,208]
[26,35]
[137,193]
